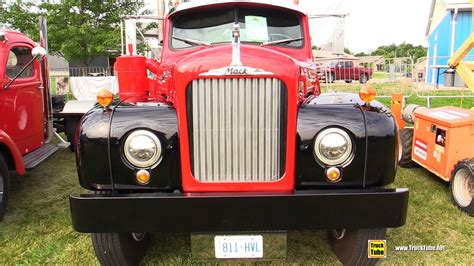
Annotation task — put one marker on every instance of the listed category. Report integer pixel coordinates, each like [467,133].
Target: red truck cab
[231,134]
[23,109]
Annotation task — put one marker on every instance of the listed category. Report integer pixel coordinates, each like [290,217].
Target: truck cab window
[257,25]
[17,59]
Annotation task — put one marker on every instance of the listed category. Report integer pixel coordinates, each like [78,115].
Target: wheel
[462,185]
[351,246]
[363,78]
[406,140]
[120,248]
[4,186]
[71,125]
[348,80]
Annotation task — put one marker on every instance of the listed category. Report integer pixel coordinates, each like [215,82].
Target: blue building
[450,23]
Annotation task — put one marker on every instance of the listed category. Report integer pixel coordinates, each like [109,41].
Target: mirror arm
[19,73]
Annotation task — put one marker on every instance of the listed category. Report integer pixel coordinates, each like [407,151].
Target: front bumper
[212,212]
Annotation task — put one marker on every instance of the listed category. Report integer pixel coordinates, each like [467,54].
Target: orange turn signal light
[104,98]
[143,177]
[367,94]
[333,174]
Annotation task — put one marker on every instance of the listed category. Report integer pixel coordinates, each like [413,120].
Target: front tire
[70,128]
[406,141]
[363,79]
[351,246]
[4,186]
[120,248]
[462,185]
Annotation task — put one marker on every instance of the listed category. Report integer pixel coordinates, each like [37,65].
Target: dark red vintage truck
[27,108]
[230,135]
[26,126]
[344,70]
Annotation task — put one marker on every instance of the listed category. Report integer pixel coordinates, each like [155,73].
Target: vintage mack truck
[29,116]
[229,133]
[26,127]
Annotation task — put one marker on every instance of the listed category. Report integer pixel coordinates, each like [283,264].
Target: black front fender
[373,132]
[92,155]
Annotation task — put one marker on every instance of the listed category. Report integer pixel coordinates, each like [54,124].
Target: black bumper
[212,212]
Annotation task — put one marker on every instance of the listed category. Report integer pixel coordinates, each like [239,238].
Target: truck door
[348,70]
[22,109]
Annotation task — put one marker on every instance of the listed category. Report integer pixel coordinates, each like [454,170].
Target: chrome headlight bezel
[153,160]
[344,159]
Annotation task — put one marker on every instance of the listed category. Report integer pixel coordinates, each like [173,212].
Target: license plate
[236,247]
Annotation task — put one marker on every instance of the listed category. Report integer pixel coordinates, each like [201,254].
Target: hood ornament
[236,68]
[236,46]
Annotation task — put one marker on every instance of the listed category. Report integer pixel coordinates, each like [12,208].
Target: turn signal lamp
[104,98]
[143,177]
[367,94]
[333,174]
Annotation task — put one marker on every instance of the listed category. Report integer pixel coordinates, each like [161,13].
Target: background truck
[27,127]
[228,133]
[344,70]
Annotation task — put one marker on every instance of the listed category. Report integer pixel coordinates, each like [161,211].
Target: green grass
[37,228]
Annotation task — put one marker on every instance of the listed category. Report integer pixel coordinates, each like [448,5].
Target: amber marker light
[143,177]
[367,94]
[104,98]
[333,174]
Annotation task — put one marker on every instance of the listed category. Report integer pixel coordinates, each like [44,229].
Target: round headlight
[333,146]
[142,148]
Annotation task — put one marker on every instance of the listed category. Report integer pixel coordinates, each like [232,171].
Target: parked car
[344,70]
[234,136]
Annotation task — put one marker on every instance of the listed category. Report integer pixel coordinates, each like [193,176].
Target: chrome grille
[235,129]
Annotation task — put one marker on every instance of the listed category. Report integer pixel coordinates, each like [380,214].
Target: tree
[77,30]
[402,50]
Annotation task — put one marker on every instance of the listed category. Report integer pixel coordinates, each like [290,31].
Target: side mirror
[38,52]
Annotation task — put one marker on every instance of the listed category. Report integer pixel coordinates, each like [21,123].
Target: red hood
[253,56]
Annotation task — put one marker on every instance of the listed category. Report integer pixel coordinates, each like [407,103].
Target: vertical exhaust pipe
[47,104]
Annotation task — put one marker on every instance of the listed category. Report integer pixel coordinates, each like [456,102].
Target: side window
[17,59]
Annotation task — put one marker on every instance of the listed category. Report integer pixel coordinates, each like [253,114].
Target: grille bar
[236,129]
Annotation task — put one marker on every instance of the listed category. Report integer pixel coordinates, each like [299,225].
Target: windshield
[257,25]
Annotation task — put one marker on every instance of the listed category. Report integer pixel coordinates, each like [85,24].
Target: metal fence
[386,75]
[439,81]
[91,71]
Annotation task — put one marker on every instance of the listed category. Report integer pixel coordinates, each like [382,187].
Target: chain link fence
[386,75]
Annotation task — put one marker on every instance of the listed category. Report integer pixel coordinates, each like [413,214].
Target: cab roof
[209,3]
[15,36]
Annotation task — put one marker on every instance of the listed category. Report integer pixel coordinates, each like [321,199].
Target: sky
[370,24]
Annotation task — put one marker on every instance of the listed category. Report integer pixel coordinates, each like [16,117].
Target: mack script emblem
[236,71]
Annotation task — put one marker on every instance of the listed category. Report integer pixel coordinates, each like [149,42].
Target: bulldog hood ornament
[236,68]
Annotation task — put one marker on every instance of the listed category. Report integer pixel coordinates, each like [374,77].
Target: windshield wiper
[282,41]
[192,41]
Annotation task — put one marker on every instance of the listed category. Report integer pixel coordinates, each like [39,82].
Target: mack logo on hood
[236,71]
